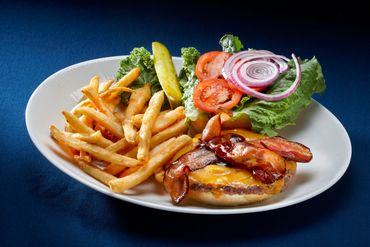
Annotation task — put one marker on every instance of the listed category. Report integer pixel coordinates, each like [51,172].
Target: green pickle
[166,73]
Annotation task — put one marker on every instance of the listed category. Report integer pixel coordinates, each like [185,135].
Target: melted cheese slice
[217,176]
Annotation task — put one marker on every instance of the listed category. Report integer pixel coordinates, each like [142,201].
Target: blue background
[41,205]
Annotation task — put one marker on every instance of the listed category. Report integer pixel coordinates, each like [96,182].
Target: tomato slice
[213,94]
[210,64]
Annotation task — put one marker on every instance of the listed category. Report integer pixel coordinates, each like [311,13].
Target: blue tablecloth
[40,205]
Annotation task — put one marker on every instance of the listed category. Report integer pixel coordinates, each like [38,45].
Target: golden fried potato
[145,133]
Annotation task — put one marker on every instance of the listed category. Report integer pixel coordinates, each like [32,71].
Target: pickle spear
[166,73]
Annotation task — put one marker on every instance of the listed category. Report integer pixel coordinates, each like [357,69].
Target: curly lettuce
[188,80]
[139,57]
[231,43]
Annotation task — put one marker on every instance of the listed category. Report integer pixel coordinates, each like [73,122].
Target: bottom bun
[226,200]
[225,186]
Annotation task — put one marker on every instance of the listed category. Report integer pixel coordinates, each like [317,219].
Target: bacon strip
[290,150]
[176,180]
[266,165]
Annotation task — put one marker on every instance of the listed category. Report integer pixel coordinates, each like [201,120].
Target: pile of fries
[122,145]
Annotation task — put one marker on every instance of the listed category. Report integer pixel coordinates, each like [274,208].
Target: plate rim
[177,209]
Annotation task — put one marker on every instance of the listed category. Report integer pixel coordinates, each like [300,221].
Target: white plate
[317,128]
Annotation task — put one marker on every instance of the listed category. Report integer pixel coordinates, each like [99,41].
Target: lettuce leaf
[139,57]
[242,103]
[268,116]
[231,43]
[188,80]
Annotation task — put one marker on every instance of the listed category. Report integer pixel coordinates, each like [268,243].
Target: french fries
[136,103]
[121,146]
[149,118]
[94,150]
[102,119]
[122,184]
[173,131]
[164,119]
[98,102]
[82,128]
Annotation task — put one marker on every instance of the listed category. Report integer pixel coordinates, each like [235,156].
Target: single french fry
[118,146]
[86,121]
[136,103]
[132,153]
[128,171]
[94,83]
[130,132]
[173,131]
[114,169]
[145,133]
[138,118]
[103,120]
[82,128]
[164,119]
[96,173]
[129,78]
[144,109]
[155,150]
[68,127]
[98,102]
[107,93]
[86,102]
[76,124]
[90,138]
[168,119]
[104,86]
[122,184]
[96,151]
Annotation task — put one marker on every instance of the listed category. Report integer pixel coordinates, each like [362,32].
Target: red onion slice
[255,54]
[239,60]
[258,73]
